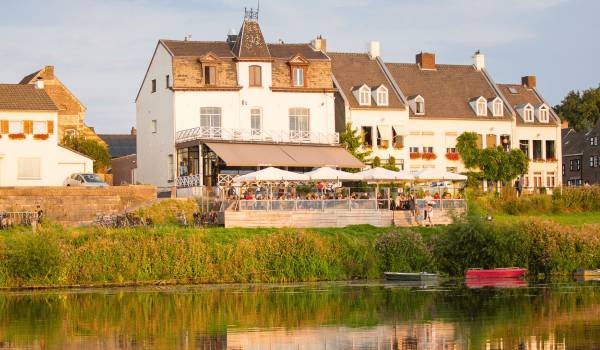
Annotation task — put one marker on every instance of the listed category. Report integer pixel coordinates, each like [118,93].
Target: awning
[247,154]
[385,132]
[400,130]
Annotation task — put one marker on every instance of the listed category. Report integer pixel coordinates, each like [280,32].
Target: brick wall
[73,205]
[187,72]
[591,174]
[318,74]
[572,175]
[121,169]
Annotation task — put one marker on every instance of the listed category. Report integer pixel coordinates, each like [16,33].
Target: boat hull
[496,273]
[586,273]
[401,276]
[502,282]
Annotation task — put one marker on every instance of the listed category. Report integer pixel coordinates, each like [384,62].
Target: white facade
[547,173]
[31,162]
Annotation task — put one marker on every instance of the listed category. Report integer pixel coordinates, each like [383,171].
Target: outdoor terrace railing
[189,181]
[238,134]
[331,205]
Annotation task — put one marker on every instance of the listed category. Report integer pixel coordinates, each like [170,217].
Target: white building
[208,111]
[29,150]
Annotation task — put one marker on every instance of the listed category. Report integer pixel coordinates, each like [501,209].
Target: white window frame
[40,127]
[481,108]
[528,114]
[34,176]
[298,76]
[381,96]
[211,121]
[543,114]
[299,122]
[71,132]
[153,86]
[15,124]
[253,116]
[365,98]
[154,126]
[550,179]
[170,167]
[498,109]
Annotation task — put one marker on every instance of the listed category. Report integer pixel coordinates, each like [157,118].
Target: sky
[101,49]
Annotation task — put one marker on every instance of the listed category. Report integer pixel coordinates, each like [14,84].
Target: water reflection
[448,314]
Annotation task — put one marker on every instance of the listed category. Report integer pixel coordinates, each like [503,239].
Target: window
[39,127]
[153,85]
[571,165]
[550,151]
[451,150]
[367,135]
[29,168]
[537,179]
[299,122]
[171,169]
[563,170]
[498,110]
[255,119]
[595,140]
[419,107]
[298,76]
[543,115]
[255,76]
[382,96]
[524,146]
[154,126]
[537,149]
[167,82]
[398,140]
[15,127]
[428,149]
[481,108]
[528,115]
[365,99]
[210,121]
[70,132]
[550,179]
[210,75]
[577,164]
[513,90]
[595,161]
[414,149]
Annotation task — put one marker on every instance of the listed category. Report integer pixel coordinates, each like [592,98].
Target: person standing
[40,217]
[519,186]
[429,212]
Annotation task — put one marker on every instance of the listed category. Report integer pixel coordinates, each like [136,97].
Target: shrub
[403,251]
[32,257]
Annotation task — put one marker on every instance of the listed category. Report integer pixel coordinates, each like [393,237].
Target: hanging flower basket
[19,136]
[452,156]
[428,155]
[415,155]
[42,137]
[539,160]
[551,160]
[399,148]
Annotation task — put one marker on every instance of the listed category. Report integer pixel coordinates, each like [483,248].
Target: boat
[508,282]
[502,272]
[586,273]
[409,276]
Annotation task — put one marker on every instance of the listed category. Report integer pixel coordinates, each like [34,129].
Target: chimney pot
[426,60]
[133,131]
[319,44]
[373,49]
[529,81]
[478,61]
[190,38]
[39,83]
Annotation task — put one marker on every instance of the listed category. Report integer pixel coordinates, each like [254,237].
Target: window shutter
[50,128]
[28,126]
[3,126]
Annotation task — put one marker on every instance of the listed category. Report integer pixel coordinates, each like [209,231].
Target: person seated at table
[437,196]
[427,196]
[249,197]
[339,196]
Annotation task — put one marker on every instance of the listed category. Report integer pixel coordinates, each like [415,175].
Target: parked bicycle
[6,221]
[198,220]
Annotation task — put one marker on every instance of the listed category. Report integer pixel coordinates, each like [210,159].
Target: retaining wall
[71,206]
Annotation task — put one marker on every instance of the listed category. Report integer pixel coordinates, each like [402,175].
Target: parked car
[91,180]
[435,187]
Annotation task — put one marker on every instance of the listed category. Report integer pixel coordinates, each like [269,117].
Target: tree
[352,141]
[580,108]
[90,148]
[467,147]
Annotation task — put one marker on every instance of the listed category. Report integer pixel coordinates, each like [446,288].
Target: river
[448,314]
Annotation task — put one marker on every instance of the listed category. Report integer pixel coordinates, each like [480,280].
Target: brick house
[71,111]
[122,149]
[210,111]
[581,156]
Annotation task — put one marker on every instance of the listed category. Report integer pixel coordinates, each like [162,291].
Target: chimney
[373,49]
[564,125]
[92,128]
[319,44]
[478,61]
[133,131]
[39,83]
[426,60]
[49,72]
[529,81]
[190,38]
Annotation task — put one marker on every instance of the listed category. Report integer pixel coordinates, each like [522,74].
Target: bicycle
[6,221]
[214,220]
[198,220]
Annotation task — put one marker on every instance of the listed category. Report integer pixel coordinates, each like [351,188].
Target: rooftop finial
[251,15]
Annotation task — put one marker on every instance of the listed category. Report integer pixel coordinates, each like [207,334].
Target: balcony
[257,135]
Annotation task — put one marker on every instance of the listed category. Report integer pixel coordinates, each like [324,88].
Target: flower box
[415,155]
[382,147]
[42,137]
[398,148]
[551,160]
[367,147]
[539,160]
[452,156]
[428,155]
[19,136]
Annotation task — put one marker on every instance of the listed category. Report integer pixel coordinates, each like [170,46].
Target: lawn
[565,219]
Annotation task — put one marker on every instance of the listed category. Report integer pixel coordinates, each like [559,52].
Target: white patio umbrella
[385,175]
[329,174]
[434,174]
[271,174]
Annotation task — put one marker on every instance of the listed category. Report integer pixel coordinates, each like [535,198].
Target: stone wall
[70,206]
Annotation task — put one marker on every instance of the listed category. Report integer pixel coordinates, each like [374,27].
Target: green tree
[469,152]
[580,108]
[90,148]
[352,140]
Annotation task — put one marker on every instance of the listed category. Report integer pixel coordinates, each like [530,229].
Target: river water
[448,314]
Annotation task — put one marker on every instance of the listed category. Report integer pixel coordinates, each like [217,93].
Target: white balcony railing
[189,181]
[235,134]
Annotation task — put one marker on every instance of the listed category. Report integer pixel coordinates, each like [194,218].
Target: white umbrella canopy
[329,174]
[382,174]
[434,174]
[271,174]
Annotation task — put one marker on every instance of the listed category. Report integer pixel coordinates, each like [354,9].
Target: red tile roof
[524,95]
[18,97]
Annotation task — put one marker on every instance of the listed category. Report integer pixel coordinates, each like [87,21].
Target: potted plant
[42,137]
[539,160]
[382,147]
[415,155]
[399,147]
[19,136]
[366,146]
[452,156]
[428,155]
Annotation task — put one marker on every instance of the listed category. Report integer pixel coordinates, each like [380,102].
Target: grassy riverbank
[92,256]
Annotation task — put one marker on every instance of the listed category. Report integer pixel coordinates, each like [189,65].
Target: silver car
[91,180]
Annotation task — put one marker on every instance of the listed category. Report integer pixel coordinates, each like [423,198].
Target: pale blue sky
[101,49]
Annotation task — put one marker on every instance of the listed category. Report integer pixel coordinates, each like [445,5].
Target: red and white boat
[496,273]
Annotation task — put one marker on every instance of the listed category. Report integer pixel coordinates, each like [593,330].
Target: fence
[22,218]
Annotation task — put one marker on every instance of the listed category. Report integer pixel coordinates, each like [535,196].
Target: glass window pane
[14,128]
[39,127]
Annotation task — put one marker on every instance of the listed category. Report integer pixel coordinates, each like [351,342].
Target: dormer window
[417,104]
[380,95]
[362,95]
[479,105]
[298,76]
[528,114]
[541,112]
[210,63]
[525,110]
[495,106]
[298,65]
